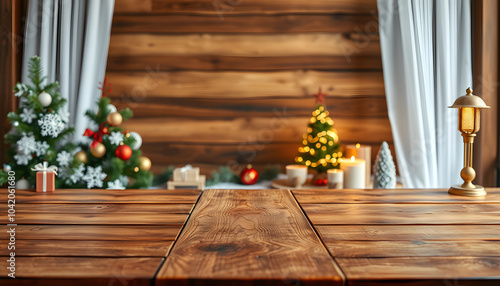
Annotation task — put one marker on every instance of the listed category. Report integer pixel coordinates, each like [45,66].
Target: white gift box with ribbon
[186,173]
[187,177]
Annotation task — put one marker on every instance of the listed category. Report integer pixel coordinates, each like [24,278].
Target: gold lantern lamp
[469,107]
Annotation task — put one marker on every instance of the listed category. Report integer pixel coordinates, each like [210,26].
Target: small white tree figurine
[384,170]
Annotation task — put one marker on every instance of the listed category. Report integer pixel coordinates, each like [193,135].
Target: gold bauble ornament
[144,163]
[82,156]
[98,151]
[114,119]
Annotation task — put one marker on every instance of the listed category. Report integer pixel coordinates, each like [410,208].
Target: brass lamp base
[477,191]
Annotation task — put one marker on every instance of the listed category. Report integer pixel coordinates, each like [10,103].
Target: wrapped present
[45,177]
[187,177]
[186,173]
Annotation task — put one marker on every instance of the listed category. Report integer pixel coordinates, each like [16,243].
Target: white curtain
[72,40]
[426,56]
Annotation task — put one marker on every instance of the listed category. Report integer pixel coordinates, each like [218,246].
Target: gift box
[45,177]
[186,173]
[187,177]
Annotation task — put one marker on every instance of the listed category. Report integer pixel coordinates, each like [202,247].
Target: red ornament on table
[123,152]
[320,182]
[249,176]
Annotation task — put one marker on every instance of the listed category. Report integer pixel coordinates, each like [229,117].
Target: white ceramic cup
[335,178]
[297,175]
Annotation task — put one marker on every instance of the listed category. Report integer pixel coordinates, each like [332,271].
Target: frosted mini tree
[384,170]
[320,150]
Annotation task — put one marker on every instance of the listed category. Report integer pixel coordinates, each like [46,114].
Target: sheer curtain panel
[426,57]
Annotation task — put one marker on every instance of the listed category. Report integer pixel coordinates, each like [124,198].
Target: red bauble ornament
[249,176]
[123,152]
[320,182]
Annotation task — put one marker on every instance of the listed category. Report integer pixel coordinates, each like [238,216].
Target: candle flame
[352,158]
[358,145]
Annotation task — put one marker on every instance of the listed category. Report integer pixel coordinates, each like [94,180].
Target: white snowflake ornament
[41,148]
[20,89]
[124,180]
[27,115]
[64,158]
[22,159]
[64,114]
[51,124]
[26,145]
[78,174]
[94,177]
[115,138]
[115,185]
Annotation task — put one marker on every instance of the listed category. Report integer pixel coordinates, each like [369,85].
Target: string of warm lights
[318,144]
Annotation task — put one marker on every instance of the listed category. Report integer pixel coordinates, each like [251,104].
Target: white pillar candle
[354,173]
[335,179]
[362,152]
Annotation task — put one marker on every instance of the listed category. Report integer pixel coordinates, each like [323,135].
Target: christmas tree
[320,150]
[112,159]
[40,127]
[384,170]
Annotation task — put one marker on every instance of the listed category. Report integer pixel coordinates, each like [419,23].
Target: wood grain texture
[352,214]
[245,24]
[10,62]
[250,130]
[94,232]
[408,237]
[378,249]
[100,219]
[235,61]
[223,63]
[241,45]
[338,106]
[98,271]
[265,7]
[485,74]
[79,208]
[333,233]
[133,6]
[245,7]
[245,234]
[93,237]
[225,85]
[90,196]
[395,196]
[432,270]
[86,248]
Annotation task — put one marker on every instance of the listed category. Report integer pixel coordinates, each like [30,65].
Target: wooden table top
[253,237]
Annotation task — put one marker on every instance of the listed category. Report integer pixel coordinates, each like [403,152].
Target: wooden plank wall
[11,42]
[218,82]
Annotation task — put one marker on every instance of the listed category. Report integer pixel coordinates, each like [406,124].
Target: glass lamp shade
[468,119]
[468,112]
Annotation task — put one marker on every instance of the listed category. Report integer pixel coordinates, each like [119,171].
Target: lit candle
[335,178]
[354,173]
[362,152]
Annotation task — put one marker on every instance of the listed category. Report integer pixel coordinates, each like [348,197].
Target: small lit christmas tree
[320,150]
[40,127]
